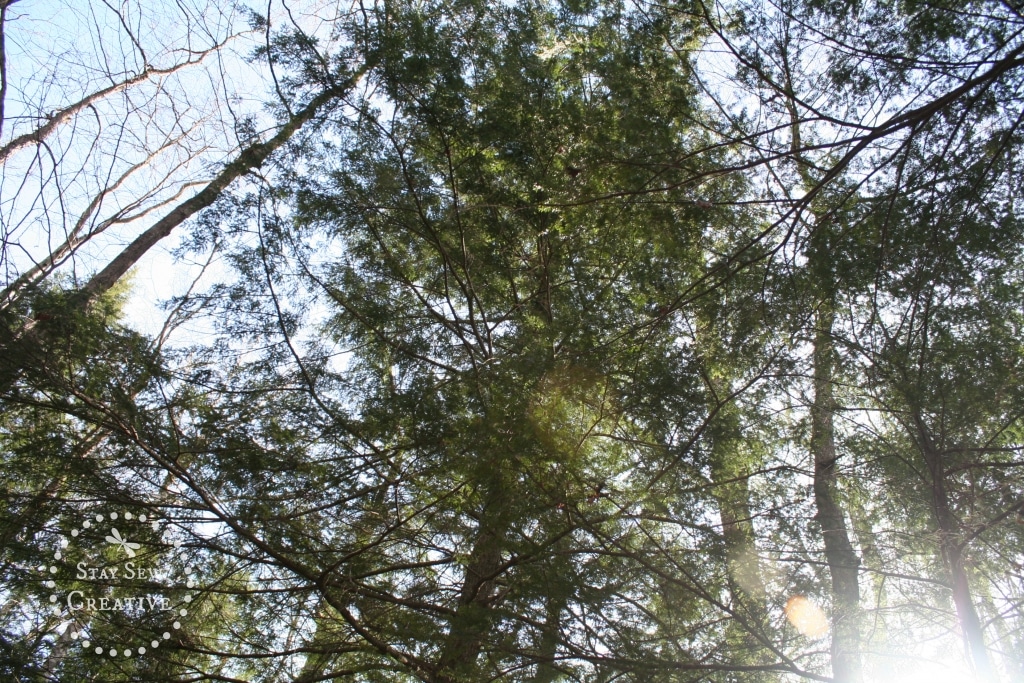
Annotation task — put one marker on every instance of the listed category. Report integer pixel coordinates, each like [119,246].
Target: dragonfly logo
[128,547]
[121,584]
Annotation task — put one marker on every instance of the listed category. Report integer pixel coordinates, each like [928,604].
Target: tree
[94,141]
[531,358]
[939,370]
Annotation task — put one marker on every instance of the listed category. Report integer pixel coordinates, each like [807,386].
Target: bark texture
[842,560]
[952,554]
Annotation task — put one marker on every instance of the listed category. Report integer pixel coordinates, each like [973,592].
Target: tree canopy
[541,341]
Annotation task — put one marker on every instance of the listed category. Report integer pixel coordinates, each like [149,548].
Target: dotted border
[59,556]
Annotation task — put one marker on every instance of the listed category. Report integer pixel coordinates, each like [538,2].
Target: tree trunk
[471,623]
[4,4]
[250,158]
[62,116]
[555,601]
[472,619]
[840,556]
[730,478]
[550,637]
[732,494]
[58,653]
[30,339]
[953,558]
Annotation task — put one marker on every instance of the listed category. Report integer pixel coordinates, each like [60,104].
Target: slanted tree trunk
[250,158]
[60,117]
[27,338]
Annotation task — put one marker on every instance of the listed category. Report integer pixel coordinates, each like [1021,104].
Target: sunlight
[806,617]
[930,672]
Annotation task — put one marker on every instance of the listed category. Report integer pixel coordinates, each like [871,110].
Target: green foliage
[510,368]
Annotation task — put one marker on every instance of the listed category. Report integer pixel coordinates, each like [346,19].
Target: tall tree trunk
[730,478]
[550,637]
[731,492]
[730,471]
[953,558]
[842,560]
[472,620]
[732,495]
[320,654]
[4,4]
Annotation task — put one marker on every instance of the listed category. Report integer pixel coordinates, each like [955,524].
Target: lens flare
[806,617]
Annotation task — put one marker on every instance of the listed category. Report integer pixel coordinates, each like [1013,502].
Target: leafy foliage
[561,344]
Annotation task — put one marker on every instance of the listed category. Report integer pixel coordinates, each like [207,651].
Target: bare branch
[56,118]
